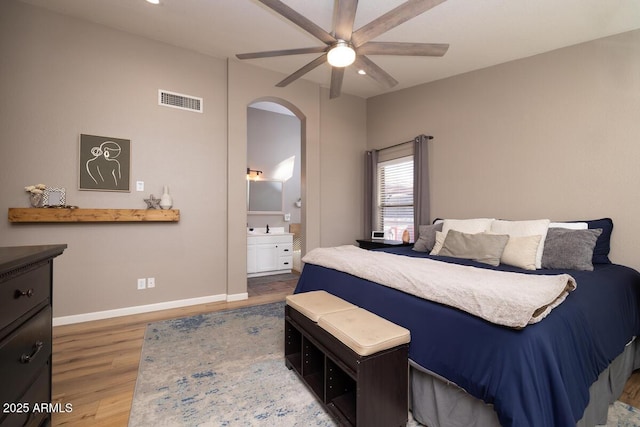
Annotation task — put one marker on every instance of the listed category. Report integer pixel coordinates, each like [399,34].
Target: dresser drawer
[285,263]
[285,249]
[23,353]
[23,292]
[23,413]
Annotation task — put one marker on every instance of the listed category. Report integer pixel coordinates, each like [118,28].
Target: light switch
[139,185]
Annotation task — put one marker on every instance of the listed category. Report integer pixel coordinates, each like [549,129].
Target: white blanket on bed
[504,298]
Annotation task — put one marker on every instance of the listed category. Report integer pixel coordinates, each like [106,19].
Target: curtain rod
[429,137]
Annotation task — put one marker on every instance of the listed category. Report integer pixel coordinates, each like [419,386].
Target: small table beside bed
[562,368]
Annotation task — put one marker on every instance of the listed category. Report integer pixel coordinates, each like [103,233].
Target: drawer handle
[27,293]
[27,358]
[286,263]
[286,250]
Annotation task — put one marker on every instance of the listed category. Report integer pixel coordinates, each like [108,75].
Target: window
[395,197]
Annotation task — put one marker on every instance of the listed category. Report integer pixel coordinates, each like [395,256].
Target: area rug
[227,369]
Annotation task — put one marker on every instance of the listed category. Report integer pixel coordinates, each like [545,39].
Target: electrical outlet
[151,282]
[287,217]
[142,284]
[139,185]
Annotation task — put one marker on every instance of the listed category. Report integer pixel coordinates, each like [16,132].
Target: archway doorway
[274,156]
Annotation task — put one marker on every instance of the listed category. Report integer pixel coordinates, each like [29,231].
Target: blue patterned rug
[227,369]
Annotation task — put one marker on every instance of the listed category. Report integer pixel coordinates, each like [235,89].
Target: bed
[562,371]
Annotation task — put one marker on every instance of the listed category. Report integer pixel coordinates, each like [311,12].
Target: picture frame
[54,197]
[104,163]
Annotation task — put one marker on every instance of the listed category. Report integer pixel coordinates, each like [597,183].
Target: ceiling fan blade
[304,70]
[344,15]
[392,19]
[299,20]
[375,72]
[406,49]
[272,53]
[337,75]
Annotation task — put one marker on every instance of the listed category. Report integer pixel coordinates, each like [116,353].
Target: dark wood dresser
[26,276]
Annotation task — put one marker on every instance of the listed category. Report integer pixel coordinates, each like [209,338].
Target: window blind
[395,197]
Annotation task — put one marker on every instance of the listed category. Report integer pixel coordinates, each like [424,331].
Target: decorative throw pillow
[521,252]
[569,249]
[471,226]
[537,227]
[426,237]
[481,247]
[603,244]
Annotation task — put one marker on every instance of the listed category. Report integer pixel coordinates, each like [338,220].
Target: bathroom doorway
[274,146]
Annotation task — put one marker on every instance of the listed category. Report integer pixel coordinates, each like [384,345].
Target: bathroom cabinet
[269,254]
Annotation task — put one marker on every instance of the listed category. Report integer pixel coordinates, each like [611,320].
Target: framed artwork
[54,196]
[105,163]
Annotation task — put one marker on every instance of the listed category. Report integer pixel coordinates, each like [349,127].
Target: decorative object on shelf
[105,163]
[166,201]
[152,202]
[35,194]
[405,236]
[54,197]
[299,202]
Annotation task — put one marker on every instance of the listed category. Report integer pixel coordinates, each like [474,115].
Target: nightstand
[377,244]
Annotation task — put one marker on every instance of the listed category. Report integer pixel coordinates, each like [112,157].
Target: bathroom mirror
[265,197]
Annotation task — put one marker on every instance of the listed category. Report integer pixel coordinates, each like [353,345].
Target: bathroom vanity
[269,253]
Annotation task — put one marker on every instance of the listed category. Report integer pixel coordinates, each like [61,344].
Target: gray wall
[551,136]
[62,77]
[271,138]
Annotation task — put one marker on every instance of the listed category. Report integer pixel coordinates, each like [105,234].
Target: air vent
[178,100]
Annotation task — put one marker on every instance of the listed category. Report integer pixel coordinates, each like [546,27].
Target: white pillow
[570,225]
[521,252]
[536,227]
[471,226]
[439,242]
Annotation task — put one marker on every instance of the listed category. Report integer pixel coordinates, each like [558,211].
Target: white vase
[166,202]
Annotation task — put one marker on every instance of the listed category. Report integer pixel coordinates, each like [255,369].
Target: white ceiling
[481,33]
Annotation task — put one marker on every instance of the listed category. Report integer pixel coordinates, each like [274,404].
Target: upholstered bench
[354,361]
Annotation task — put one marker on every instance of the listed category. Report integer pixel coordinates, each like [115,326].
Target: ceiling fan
[344,46]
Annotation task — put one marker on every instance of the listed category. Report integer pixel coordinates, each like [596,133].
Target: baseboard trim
[139,309]
[237,297]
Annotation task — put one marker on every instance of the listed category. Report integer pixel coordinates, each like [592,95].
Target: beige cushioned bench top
[364,332]
[315,304]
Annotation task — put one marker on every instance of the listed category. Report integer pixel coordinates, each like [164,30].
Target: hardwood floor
[95,364]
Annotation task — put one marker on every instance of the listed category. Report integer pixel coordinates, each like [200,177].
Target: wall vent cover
[179,100]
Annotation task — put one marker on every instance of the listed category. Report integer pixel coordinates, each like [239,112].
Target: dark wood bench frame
[357,390]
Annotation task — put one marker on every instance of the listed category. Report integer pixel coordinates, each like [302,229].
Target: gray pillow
[427,237]
[481,247]
[570,249]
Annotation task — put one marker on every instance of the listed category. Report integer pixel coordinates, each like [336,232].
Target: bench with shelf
[370,390]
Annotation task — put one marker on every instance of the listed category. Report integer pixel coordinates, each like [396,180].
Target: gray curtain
[370,185]
[420,182]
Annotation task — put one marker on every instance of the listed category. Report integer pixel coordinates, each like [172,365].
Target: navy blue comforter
[537,376]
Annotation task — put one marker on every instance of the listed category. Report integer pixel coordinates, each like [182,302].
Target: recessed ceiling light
[153,1]
[362,72]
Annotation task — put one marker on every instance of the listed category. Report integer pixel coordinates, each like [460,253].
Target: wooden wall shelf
[92,215]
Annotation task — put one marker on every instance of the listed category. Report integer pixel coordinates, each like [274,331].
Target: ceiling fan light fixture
[341,54]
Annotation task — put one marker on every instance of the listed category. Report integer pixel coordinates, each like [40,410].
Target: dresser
[26,277]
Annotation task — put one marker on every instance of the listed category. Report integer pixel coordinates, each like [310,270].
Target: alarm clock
[377,235]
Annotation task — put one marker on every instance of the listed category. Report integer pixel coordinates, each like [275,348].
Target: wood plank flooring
[95,364]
